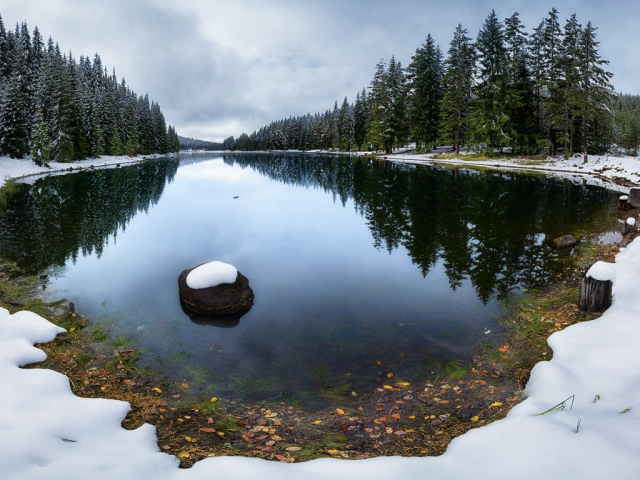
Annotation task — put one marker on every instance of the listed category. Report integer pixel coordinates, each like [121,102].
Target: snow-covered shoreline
[46,432]
[12,168]
[601,170]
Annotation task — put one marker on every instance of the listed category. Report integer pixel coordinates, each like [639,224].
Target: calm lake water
[359,268]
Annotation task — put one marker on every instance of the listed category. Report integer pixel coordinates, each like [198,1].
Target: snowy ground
[606,171]
[17,168]
[48,433]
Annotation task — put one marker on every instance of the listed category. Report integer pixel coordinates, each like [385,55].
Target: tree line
[547,91]
[56,108]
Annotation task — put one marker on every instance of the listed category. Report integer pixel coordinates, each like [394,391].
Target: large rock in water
[212,289]
[565,241]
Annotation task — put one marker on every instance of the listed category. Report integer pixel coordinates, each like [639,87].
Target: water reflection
[61,217]
[352,262]
[492,228]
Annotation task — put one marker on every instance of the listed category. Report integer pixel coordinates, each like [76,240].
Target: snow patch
[603,272]
[211,274]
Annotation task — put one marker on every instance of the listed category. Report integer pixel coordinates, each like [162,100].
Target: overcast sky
[220,68]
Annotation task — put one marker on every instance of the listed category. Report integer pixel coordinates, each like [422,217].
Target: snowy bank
[614,173]
[593,381]
[24,167]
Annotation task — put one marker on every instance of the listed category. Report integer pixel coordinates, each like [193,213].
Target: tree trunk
[595,295]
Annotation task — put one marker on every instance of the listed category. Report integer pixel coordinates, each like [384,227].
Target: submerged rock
[565,241]
[218,299]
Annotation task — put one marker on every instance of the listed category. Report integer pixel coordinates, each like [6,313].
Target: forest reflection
[494,229]
[59,217]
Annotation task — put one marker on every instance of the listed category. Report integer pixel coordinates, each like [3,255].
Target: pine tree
[13,136]
[520,93]
[380,118]
[551,79]
[424,75]
[40,150]
[570,81]
[595,88]
[346,126]
[397,88]
[360,119]
[458,84]
[490,122]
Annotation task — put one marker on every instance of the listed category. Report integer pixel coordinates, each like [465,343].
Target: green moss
[228,423]
[335,440]
[123,342]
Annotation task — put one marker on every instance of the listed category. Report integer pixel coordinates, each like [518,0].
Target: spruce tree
[551,80]
[360,119]
[570,80]
[457,83]
[490,122]
[520,93]
[424,75]
[595,87]
[40,150]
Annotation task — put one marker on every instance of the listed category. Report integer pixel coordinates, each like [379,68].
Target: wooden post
[623,203]
[597,286]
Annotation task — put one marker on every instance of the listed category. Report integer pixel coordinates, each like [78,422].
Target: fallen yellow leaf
[213,400]
[333,451]
[156,389]
[339,411]
[388,387]
[184,385]
[316,422]
[378,362]
[184,455]
[403,384]
[276,438]
[475,419]
[496,404]
[389,375]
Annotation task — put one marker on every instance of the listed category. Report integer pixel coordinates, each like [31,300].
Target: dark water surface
[354,263]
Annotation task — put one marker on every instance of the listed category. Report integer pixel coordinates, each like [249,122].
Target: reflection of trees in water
[492,229]
[60,216]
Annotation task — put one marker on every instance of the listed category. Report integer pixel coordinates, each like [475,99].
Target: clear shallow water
[353,263]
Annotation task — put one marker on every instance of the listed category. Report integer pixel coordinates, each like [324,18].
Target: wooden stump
[595,295]
[623,203]
[634,197]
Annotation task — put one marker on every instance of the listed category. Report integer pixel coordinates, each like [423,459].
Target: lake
[360,268]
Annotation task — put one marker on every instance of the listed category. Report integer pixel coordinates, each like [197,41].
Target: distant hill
[194,144]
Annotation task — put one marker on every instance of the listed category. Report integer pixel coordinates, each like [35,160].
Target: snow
[24,167]
[624,197]
[46,432]
[631,221]
[211,274]
[602,271]
[600,170]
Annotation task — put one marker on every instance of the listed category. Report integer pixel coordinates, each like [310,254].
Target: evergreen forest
[546,91]
[56,108]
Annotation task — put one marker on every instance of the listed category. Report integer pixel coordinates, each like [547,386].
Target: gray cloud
[219,68]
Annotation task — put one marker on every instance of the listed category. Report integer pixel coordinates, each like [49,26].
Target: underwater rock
[565,241]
